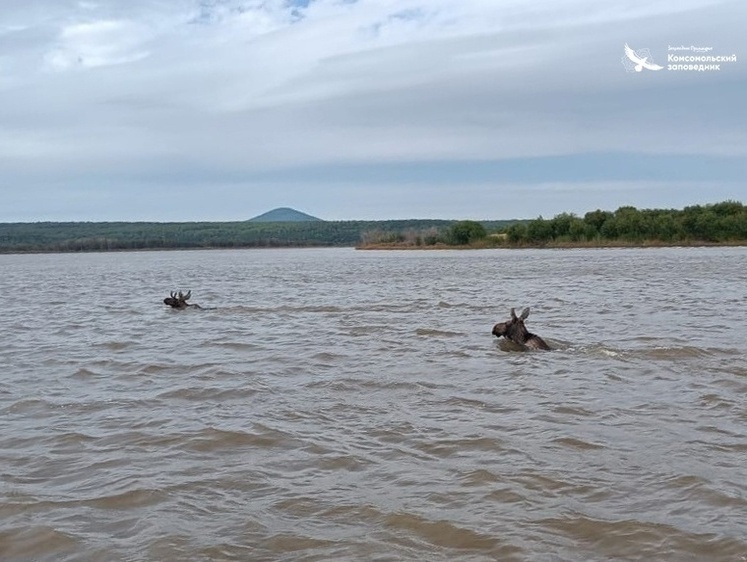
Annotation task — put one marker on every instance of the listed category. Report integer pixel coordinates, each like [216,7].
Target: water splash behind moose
[179,300]
[514,330]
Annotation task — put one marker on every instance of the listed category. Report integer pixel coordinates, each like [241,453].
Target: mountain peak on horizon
[284,214]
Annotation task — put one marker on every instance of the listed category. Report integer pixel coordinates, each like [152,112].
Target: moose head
[515,331]
[179,300]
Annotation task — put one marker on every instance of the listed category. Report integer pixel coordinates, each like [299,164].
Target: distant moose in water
[179,300]
[514,330]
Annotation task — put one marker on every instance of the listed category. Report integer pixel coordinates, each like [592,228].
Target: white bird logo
[640,62]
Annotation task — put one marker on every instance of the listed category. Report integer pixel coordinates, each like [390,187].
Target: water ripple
[334,405]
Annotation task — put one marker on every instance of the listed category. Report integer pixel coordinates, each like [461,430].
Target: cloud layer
[222,109]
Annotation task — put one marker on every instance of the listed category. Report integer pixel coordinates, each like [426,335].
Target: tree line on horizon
[715,223]
[106,236]
[722,222]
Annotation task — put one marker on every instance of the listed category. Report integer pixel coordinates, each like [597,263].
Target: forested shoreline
[698,225]
[718,223]
[110,236]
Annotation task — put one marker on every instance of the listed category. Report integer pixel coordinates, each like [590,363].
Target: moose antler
[179,300]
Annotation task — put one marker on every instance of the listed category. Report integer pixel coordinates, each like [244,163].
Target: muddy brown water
[335,404]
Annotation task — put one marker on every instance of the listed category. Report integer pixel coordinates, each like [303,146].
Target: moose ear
[513,314]
[525,313]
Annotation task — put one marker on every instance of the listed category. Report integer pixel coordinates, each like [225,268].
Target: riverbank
[590,244]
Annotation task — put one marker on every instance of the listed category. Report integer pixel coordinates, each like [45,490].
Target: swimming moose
[515,331]
[179,300]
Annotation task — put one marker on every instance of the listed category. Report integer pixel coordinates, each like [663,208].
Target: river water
[336,404]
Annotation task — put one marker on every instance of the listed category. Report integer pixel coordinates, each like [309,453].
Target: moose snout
[499,329]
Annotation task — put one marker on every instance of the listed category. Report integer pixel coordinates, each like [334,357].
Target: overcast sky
[191,110]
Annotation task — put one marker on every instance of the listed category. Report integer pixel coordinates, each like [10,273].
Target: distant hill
[722,223]
[283,214]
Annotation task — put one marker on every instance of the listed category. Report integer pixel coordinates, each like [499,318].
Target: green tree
[728,208]
[629,223]
[596,219]
[465,232]
[666,228]
[517,233]
[579,230]
[561,225]
[539,230]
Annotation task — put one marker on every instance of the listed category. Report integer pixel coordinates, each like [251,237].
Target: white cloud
[262,86]
[99,43]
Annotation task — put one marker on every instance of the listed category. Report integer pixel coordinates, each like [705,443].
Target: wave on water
[429,332]
[341,405]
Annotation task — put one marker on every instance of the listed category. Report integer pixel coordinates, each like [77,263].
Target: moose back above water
[179,300]
[515,331]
